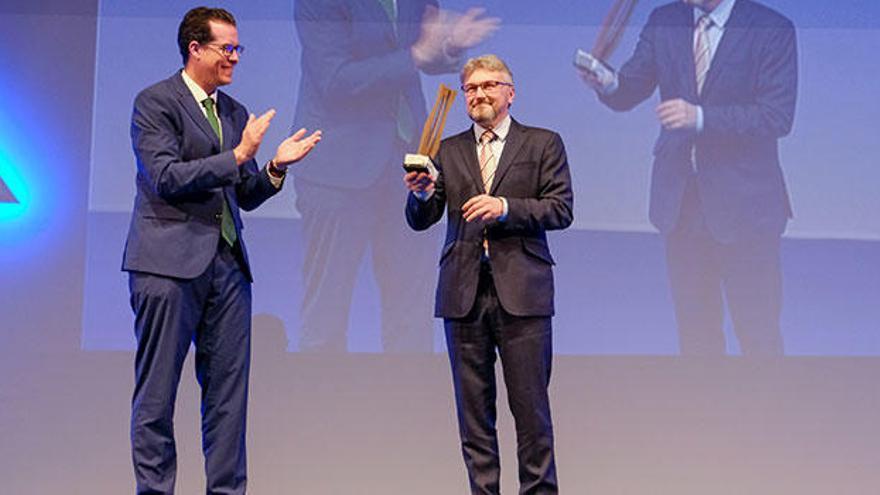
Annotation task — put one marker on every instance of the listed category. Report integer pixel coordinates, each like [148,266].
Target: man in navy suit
[188,267]
[502,185]
[360,81]
[727,75]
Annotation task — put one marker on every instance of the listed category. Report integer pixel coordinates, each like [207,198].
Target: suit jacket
[183,174]
[533,176]
[748,102]
[356,73]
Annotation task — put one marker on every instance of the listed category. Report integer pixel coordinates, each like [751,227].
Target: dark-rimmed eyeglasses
[227,50]
[486,86]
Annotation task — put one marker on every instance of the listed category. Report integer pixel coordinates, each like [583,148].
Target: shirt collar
[500,130]
[720,15]
[196,90]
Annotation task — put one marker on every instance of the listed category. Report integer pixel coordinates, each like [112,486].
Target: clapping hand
[295,148]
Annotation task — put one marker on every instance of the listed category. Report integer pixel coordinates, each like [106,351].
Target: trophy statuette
[432,133]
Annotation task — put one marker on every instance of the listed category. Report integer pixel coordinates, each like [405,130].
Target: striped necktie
[488,164]
[702,50]
[227,224]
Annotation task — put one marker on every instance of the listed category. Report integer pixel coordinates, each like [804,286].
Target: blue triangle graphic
[6,195]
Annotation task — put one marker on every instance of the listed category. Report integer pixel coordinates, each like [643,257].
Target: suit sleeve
[157,145]
[325,32]
[552,208]
[637,79]
[422,214]
[255,186]
[771,112]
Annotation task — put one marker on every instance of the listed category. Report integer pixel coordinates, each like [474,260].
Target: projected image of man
[361,66]
[727,75]
[189,275]
[502,185]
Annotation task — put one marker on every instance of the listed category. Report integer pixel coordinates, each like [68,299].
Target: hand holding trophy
[591,65]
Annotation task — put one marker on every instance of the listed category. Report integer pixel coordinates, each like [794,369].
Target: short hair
[486,62]
[196,26]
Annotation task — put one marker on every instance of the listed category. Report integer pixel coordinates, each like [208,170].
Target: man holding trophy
[727,75]
[502,186]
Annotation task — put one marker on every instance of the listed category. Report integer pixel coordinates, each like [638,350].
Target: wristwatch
[276,172]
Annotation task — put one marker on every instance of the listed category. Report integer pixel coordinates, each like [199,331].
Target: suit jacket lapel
[467,154]
[684,39]
[734,32]
[192,108]
[409,21]
[227,127]
[512,145]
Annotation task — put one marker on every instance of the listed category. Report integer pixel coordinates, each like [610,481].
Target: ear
[512,96]
[194,48]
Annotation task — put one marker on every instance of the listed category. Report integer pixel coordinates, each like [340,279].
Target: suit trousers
[213,311]
[704,273]
[339,225]
[525,347]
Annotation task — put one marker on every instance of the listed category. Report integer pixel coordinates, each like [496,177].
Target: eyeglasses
[486,86]
[227,50]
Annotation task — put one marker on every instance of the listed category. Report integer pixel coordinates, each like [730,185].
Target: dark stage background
[631,416]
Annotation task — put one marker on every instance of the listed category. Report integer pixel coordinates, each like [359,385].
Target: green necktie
[227,224]
[388,5]
[406,124]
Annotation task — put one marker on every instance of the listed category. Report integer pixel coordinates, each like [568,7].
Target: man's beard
[483,113]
